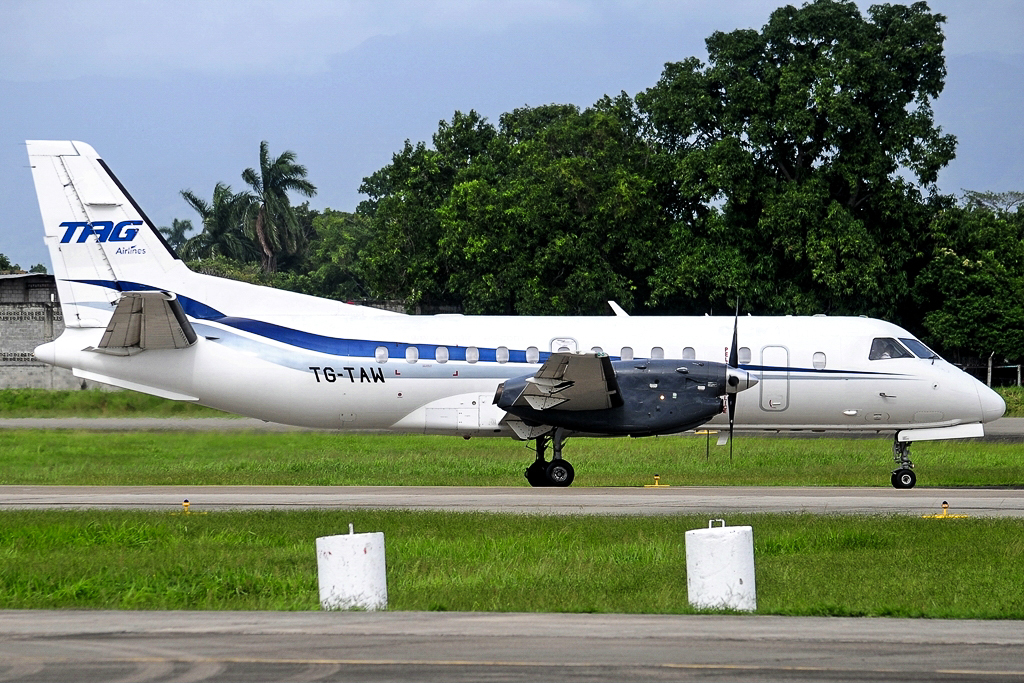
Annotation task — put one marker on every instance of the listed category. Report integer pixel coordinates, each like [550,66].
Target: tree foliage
[972,288]
[176,233]
[548,213]
[795,171]
[270,220]
[786,152]
[222,218]
[792,170]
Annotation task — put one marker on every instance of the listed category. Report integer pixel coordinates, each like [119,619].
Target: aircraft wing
[573,381]
[146,320]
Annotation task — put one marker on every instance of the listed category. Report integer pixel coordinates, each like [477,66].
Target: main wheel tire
[903,478]
[537,473]
[560,473]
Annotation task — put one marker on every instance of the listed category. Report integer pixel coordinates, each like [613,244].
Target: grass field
[79,457]
[97,403]
[805,565]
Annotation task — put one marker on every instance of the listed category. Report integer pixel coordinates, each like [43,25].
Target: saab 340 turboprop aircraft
[136,317]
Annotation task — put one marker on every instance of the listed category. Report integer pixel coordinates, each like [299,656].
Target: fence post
[989,382]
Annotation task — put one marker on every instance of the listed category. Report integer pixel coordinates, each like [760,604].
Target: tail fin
[100,241]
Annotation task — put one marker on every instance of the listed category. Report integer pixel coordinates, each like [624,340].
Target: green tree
[222,219]
[548,213]
[333,268]
[404,198]
[38,268]
[272,223]
[557,218]
[788,156]
[972,288]
[176,234]
[6,266]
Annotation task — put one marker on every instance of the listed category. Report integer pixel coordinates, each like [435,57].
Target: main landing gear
[903,477]
[558,472]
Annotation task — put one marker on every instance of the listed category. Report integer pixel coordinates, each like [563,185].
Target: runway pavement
[432,646]
[600,501]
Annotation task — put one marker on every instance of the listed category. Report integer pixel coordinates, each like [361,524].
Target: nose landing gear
[558,472]
[902,477]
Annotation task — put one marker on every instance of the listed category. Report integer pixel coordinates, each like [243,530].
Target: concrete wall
[30,315]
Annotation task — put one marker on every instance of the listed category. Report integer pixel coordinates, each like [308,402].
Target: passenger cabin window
[626,353]
[441,354]
[501,354]
[883,348]
[919,349]
[412,354]
[380,354]
[743,357]
[689,353]
[657,352]
[818,360]
[472,354]
[532,354]
[563,349]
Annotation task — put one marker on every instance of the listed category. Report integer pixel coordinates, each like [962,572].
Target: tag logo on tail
[104,230]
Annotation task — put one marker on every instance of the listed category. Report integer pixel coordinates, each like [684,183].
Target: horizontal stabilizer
[146,320]
[134,386]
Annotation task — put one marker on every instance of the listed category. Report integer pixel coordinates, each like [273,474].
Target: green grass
[95,403]
[805,564]
[1014,397]
[82,457]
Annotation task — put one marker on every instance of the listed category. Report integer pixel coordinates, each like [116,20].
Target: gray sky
[179,94]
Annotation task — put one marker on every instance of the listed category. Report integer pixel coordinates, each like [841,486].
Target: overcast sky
[179,94]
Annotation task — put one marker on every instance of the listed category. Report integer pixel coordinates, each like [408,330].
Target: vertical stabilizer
[99,239]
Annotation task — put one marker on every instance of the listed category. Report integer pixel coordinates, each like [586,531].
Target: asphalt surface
[433,646]
[666,500]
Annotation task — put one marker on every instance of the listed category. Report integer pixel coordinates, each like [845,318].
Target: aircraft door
[774,382]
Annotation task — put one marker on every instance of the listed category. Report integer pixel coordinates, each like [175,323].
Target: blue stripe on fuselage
[364,348]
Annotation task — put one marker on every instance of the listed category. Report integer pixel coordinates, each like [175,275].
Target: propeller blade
[732,419]
[733,349]
[734,355]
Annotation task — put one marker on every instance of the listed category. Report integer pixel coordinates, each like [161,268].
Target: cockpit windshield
[919,349]
[886,347]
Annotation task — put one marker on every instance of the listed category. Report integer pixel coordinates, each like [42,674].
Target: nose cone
[737,380]
[47,353]
[992,404]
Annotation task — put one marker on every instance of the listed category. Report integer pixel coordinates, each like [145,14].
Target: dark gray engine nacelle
[657,397]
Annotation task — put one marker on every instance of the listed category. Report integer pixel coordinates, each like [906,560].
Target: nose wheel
[902,477]
[558,472]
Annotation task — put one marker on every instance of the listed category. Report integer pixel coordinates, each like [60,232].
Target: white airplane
[136,317]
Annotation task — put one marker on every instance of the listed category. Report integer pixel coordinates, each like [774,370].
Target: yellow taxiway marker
[945,514]
[657,484]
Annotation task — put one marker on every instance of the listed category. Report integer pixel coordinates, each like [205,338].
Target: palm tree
[223,234]
[273,226]
[175,235]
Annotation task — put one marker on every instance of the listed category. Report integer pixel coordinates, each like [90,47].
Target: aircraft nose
[992,404]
